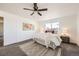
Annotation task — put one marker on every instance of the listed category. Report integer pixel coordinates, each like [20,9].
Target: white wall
[78,28]
[66,22]
[24,35]
[70,23]
[13,28]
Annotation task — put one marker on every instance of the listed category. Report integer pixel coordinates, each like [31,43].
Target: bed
[47,39]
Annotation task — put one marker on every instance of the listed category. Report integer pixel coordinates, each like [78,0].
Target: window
[52,27]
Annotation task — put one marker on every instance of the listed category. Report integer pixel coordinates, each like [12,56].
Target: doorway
[1,32]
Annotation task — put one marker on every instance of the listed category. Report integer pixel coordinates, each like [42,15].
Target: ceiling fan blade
[45,9]
[32,13]
[28,9]
[39,13]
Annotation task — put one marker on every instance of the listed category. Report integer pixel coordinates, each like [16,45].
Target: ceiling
[55,10]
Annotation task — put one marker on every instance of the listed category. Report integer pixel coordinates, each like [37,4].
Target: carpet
[34,49]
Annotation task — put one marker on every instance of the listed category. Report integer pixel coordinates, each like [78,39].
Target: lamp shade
[65,32]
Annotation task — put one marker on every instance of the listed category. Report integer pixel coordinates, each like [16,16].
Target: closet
[1,31]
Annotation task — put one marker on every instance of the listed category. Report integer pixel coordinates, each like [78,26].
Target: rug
[34,49]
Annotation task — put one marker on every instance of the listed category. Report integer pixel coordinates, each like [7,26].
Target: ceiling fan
[35,8]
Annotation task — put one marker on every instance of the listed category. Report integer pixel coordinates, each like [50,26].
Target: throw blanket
[48,37]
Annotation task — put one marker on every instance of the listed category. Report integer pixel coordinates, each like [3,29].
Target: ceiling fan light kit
[35,8]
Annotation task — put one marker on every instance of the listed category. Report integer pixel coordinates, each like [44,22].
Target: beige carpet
[34,49]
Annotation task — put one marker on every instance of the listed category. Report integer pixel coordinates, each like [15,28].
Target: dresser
[65,39]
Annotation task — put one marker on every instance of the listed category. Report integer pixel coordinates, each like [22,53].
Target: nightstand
[65,39]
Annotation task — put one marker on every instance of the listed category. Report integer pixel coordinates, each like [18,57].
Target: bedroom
[63,18]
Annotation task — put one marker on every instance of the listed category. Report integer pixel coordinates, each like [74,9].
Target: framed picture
[27,26]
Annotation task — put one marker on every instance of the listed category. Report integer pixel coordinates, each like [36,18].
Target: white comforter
[47,38]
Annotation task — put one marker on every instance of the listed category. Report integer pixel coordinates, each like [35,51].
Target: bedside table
[65,39]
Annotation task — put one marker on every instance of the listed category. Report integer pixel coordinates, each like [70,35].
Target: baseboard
[73,43]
